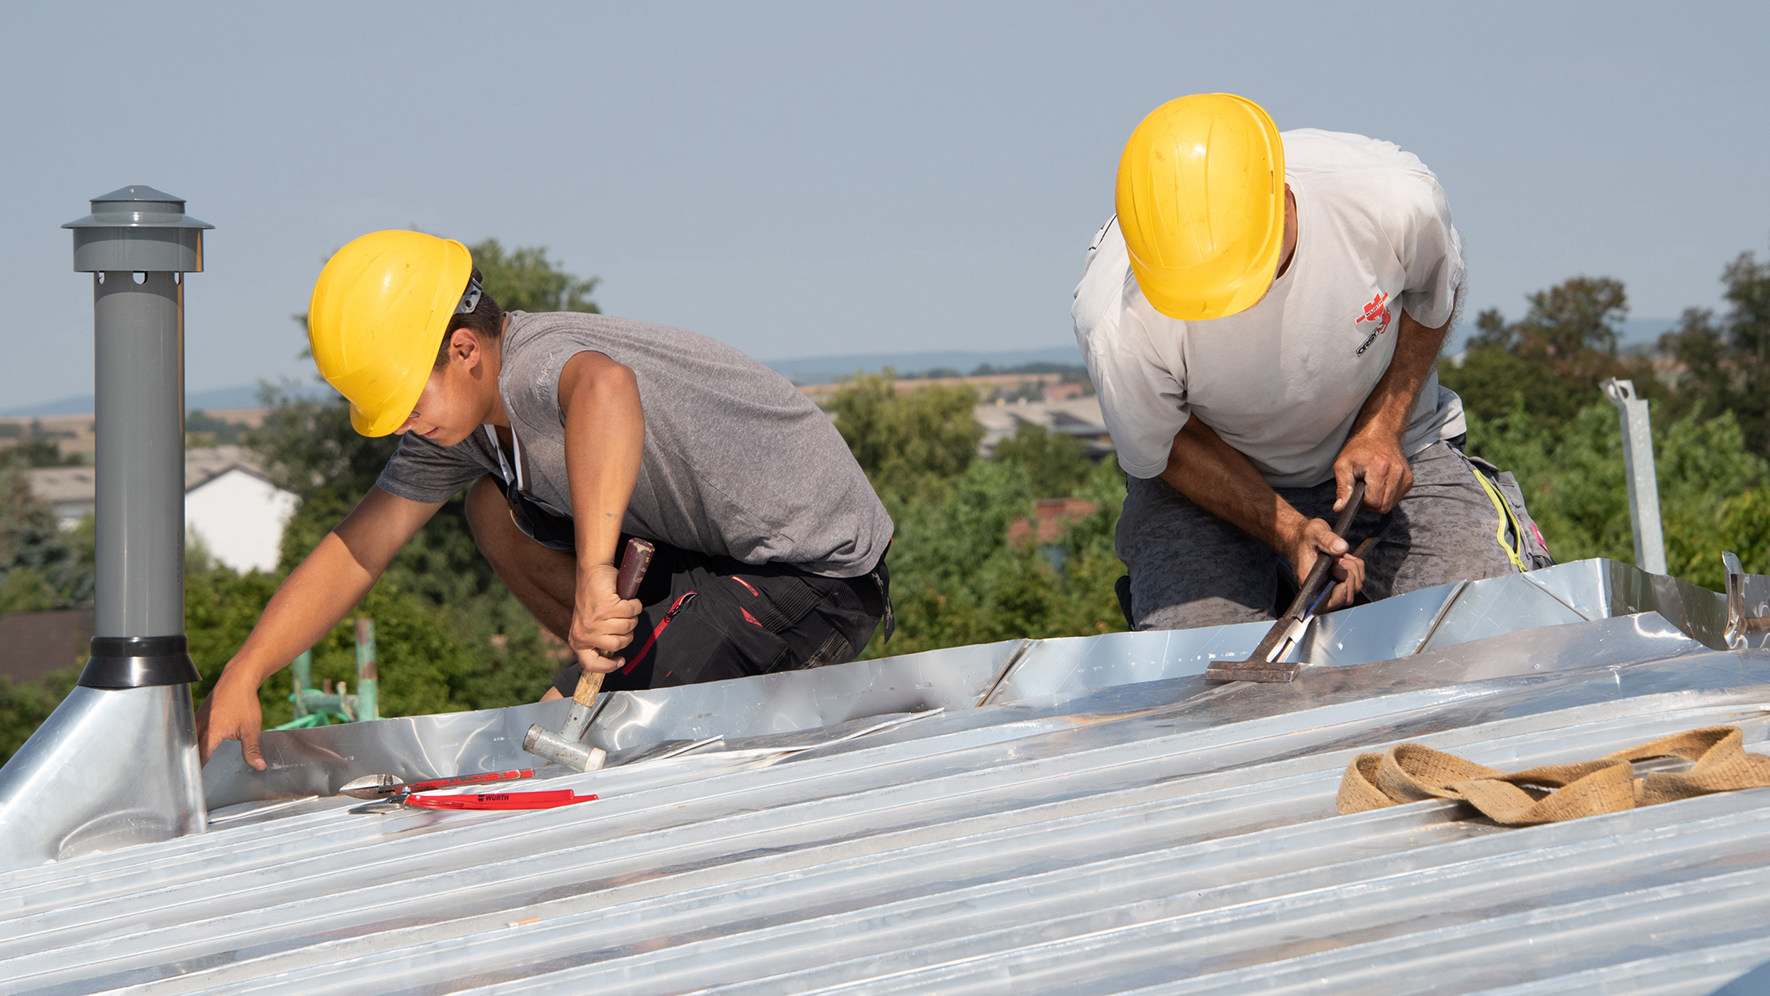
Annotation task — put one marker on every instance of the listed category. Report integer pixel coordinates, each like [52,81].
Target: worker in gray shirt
[571,432]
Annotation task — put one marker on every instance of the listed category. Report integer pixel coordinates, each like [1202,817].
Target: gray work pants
[1189,568]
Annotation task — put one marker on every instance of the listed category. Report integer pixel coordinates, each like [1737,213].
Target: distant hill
[217,399]
[810,370]
[1644,333]
[1639,335]
[825,369]
[1637,332]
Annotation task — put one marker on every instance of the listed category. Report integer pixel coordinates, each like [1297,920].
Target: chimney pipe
[116,763]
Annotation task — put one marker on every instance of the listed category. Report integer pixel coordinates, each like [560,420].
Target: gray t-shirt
[737,461]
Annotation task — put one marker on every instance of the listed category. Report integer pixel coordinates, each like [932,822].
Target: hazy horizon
[810,180]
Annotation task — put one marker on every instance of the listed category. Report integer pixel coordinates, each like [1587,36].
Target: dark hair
[486,319]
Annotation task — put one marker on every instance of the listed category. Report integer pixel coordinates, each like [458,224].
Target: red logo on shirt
[1377,310]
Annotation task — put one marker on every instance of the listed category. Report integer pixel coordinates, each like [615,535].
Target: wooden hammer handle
[634,561]
[633,564]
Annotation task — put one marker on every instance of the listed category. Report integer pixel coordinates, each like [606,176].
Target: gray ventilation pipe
[116,763]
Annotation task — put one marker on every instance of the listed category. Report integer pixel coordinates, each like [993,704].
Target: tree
[429,662]
[25,705]
[524,280]
[1553,359]
[41,567]
[956,578]
[40,452]
[910,442]
[1725,365]
[1056,464]
[1712,491]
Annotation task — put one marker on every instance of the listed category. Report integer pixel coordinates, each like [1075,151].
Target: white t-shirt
[1283,381]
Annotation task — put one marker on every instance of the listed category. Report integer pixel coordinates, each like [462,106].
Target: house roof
[1059,416]
[1078,815]
[1071,417]
[62,485]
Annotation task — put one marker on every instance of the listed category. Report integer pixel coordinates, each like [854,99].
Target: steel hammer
[567,747]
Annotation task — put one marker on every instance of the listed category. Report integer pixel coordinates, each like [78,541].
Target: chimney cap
[137,206]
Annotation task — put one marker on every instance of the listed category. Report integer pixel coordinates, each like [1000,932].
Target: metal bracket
[1637,435]
[1746,617]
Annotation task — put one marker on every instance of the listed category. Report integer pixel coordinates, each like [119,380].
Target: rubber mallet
[567,747]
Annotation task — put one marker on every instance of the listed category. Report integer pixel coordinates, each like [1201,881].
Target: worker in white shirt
[1262,320]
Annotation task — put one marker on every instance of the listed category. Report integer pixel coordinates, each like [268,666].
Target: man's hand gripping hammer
[567,747]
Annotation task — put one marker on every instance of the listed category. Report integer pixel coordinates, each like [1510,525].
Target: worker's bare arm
[1218,478]
[604,441]
[1373,450]
[316,595]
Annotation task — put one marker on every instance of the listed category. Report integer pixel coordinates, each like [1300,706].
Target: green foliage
[428,662]
[1055,464]
[1493,382]
[524,280]
[41,567]
[25,705]
[309,448]
[25,590]
[1552,360]
[1725,364]
[204,429]
[1711,489]
[443,603]
[956,578]
[40,453]
[1530,390]
[1570,326]
[909,443]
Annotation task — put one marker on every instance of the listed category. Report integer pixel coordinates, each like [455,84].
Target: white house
[228,503]
[239,516]
[1079,417]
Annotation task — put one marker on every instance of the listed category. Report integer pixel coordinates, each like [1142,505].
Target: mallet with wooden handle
[567,747]
[1264,663]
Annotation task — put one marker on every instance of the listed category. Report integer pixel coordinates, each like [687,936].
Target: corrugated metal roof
[1107,823]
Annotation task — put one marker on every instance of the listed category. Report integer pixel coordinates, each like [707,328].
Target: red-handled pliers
[500,800]
[389,786]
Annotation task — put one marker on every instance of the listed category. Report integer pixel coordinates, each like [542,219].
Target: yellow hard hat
[1201,204]
[376,321]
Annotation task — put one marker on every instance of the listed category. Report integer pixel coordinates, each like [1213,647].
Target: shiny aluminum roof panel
[871,829]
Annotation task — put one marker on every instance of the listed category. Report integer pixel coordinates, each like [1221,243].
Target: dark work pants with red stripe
[708,618]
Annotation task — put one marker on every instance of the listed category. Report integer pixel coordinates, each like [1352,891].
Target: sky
[811,179]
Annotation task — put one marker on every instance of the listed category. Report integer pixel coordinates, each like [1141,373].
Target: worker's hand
[602,621]
[1318,540]
[231,712]
[1377,458]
